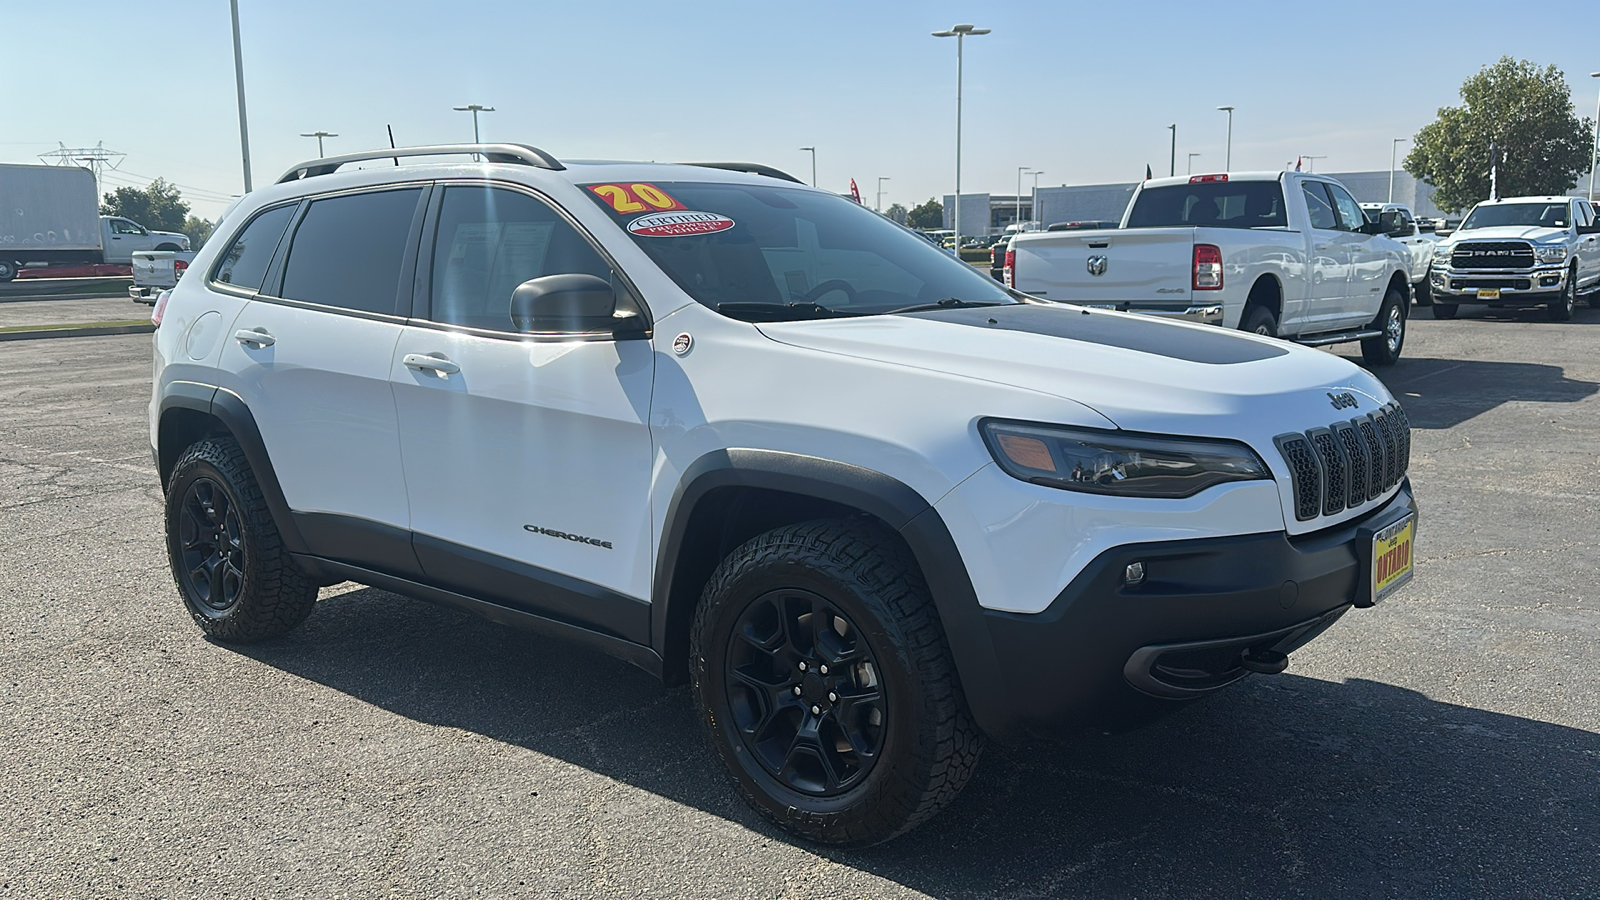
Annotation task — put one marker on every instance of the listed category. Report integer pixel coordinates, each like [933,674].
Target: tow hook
[1264,662]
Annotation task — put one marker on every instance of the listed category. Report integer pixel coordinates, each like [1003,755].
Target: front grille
[1512,284]
[1348,463]
[1492,255]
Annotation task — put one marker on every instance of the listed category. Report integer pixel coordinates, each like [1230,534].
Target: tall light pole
[1594,156]
[813,152]
[319,135]
[1227,159]
[238,78]
[1174,166]
[1190,169]
[1311,162]
[881,180]
[1033,201]
[1018,218]
[959,32]
[1394,147]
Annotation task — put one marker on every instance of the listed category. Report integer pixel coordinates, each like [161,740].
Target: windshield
[1537,215]
[1214,204]
[775,253]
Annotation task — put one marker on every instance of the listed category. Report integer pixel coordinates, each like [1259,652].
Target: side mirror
[569,304]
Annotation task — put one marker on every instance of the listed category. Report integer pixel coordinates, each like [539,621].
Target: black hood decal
[1143,335]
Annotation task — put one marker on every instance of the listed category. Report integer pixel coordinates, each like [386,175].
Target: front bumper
[1105,654]
[1517,287]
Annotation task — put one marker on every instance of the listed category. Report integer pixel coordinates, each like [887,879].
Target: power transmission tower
[93,158]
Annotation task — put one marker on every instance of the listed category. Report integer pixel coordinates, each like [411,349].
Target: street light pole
[474,109]
[319,135]
[813,164]
[1227,160]
[881,180]
[1311,162]
[959,32]
[238,77]
[1190,169]
[1173,170]
[1594,157]
[1033,200]
[1018,218]
[1394,146]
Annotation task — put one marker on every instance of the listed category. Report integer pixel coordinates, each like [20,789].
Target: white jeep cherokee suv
[750,435]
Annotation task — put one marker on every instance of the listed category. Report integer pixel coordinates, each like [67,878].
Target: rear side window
[244,263]
[491,240]
[1320,206]
[1216,204]
[347,251]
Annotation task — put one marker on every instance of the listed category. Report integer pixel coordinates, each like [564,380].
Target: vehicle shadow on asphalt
[1443,393]
[1283,786]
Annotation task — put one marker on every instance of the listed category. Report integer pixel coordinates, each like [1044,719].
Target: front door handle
[438,365]
[257,336]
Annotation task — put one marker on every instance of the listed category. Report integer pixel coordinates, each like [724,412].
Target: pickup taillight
[1207,267]
[1011,268]
[178,267]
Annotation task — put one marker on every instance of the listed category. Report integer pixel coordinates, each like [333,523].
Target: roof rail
[751,168]
[522,154]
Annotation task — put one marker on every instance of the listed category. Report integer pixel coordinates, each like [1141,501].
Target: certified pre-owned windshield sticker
[679,224]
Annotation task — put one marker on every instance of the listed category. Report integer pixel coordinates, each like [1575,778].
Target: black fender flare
[882,496]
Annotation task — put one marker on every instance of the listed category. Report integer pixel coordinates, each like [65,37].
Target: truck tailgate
[1142,268]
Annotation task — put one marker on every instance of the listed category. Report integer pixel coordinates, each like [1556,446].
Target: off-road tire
[929,743]
[272,594]
[1384,350]
[1259,320]
[1560,309]
[1444,310]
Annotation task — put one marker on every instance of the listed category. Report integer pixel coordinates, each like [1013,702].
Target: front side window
[1532,215]
[1212,204]
[771,252]
[490,240]
[1350,216]
[1319,206]
[347,250]
[123,226]
[244,263]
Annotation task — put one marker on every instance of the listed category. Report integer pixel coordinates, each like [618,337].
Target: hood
[1143,374]
[1507,233]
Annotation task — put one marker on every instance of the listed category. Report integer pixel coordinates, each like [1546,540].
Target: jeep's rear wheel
[825,684]
[226,556]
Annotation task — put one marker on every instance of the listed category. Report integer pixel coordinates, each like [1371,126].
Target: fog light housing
[1133,574]
[1549,280]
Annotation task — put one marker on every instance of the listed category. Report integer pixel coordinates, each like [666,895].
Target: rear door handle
[428,363]
[258,336]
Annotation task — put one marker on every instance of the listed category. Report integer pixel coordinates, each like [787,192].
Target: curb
[75,332]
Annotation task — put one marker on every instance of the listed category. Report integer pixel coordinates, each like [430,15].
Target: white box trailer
[49,216]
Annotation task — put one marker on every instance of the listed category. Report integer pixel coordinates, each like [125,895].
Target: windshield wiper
[949,303]
[781,311]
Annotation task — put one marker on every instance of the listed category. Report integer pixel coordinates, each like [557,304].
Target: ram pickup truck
[1285,254]
[155,271]
[1397,221]
[1519,252]
[52,218]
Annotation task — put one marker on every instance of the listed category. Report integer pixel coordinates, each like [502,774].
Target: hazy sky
[1082,90]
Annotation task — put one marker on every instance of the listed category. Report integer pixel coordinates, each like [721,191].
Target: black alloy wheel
[211,540]
[805,693]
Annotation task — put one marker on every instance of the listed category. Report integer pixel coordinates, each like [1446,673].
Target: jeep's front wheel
[823,678]
[235,577]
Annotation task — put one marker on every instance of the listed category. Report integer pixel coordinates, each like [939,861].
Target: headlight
[1551,254]
[1441,253]
[1116,462]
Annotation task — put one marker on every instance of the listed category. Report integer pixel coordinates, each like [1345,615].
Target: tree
[927,215]
[198,230]
[1526,112]
[896,212]
[158,207]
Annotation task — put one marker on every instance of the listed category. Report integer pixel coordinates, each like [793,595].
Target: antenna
[95,157]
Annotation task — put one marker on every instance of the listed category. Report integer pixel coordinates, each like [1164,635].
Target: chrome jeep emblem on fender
[1097,264]
[1343,400]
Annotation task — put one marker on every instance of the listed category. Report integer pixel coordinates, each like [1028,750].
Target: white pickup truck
[1287,254]
[155,271]
[1520,252]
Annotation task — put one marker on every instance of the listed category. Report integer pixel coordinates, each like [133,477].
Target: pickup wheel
[1384,350]
[232,571]
[1560,309]
[1259,320]
[1423,291]
[8,270]
[1444,310]
[825,684]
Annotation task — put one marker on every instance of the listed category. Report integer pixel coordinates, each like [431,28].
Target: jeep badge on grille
[1342,400]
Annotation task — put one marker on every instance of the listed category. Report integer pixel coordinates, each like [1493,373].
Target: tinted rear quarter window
[347,251]
[1217,204]
[244,263]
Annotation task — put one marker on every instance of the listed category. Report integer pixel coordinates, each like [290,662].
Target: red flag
[855,192]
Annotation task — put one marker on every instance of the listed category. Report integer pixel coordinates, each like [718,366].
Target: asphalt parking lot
[1445,744]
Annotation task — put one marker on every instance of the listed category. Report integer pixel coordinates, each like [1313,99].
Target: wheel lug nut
[823,670]
[797,690]
[802,665]
[832,697]
[816,710]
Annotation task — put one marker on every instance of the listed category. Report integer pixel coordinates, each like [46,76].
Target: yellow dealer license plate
[1488,293]
[1391,557]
